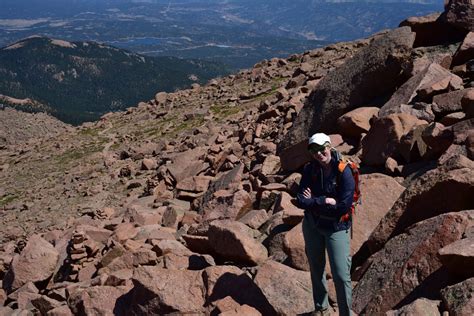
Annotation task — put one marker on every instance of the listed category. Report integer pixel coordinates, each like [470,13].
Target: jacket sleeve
[308,203]
[345,195]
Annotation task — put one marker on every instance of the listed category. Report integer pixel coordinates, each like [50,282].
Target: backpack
[343,162]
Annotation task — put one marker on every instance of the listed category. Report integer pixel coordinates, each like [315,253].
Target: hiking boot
[321,312]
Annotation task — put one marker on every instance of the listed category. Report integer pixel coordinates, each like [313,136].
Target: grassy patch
[4,200]
[115,146]
[93,132]
[155,129]
[223,111]
[78,153]
[265,95]
[276,82]
[189,124]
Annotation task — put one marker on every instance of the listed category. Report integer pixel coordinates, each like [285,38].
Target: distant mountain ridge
[80,81]
[238,33]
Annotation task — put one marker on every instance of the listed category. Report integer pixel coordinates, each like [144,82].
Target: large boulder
[36,263]
[288,290]
[437,137]
[271,165]
[97,300]
[234,241]
[255,218]
[461,130]
[421,87]
[470,145]
[408,264]
[199,244]
[460,13]
[437,191]
[174,261]
[230,281]
[229,180]
[294,247]
[383,139]
[448,102]
[465,52]
[412,146]
[430,30]
[194,184]
[379,193]
[459,298]
[187,164]
[160,291]
[292,215]
[458,257]
[355,122]
[100,235]
[227,205]
[374,71]
[467,103]
[421,306]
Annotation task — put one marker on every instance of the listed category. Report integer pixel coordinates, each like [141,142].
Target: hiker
[326,194]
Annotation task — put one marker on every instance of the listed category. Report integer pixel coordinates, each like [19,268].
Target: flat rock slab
[379,193]
[288,290]
[426,197]
[355,122]
[160,291]
[227,205]
[255,218]
[97,300]
[234,241]
[187,164]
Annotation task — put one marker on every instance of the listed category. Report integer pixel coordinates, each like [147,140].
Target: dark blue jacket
[336,185]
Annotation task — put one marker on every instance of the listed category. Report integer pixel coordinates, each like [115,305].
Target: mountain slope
[80,170]
[81,81]
[18,127]
[136,199]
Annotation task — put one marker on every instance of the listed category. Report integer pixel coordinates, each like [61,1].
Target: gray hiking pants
[337,244]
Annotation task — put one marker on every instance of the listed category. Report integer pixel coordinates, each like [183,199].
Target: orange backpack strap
[341,166]
[355,174]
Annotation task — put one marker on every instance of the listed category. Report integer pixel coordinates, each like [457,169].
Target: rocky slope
[183,204]
[19,127]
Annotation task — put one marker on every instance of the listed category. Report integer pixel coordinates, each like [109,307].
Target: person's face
[321,153]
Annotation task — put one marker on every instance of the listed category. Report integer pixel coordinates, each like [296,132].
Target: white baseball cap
[319,139]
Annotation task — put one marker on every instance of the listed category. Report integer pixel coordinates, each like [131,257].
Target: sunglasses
[315,149]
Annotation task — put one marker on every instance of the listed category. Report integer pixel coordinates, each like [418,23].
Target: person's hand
[307,193]
[330,201]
